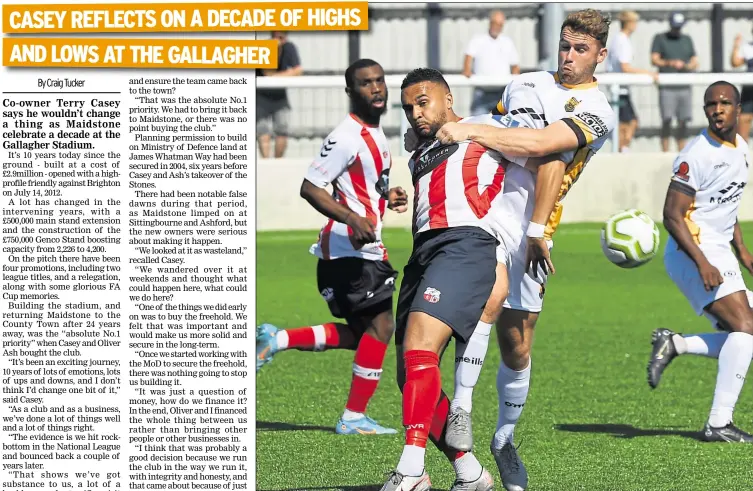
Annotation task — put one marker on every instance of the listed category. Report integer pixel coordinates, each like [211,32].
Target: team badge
[570,105]
[431,295]
[683,172]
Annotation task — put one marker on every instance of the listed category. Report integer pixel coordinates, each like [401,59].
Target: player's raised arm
[515,142]
[743,254]
[679,199]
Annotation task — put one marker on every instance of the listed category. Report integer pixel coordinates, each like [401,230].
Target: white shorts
[683,271]
[525,293]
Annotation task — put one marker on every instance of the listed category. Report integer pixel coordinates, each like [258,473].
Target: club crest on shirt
[432,295]
[683,171]
[570,104]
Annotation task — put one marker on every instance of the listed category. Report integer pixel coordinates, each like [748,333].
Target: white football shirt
[492,56]
[355,159]
[538,99]
[620,51]
[717,171]
[461,185]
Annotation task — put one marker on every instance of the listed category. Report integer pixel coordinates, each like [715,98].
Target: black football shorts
[449,276]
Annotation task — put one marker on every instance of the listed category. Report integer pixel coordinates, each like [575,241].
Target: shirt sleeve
[513,54]
[686,174]
[747,51]
[335,156]
[501,108]
[593,123]
[290,57]
[624,52]
[657,45]
[472,47]
[692,47]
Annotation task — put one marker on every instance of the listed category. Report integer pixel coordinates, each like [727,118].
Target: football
[630,238]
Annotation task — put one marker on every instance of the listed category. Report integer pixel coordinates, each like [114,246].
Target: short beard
[360,106]
[575,76]
[433,129]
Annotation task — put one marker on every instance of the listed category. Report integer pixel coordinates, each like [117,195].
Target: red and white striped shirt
[355,158]
[457,185]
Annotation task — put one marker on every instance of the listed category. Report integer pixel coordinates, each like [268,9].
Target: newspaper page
[128,245]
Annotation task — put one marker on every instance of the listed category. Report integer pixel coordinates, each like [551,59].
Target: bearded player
[700,214]
[353,272]
[464,215]
[561,113]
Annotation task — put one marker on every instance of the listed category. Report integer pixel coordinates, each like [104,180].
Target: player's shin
[512,391]
[734,361]
[420,396]
[705,344]
[367,370]
[469,358]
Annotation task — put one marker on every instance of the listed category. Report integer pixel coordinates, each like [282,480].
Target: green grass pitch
[591,421]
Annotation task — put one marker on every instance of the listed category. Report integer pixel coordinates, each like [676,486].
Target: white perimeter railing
[611,80]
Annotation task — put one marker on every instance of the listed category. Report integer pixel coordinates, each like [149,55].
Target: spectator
[742,54]
[619,60]
[272,106]
[490,54]
[673,52]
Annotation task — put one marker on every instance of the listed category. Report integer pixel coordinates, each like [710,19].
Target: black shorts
[746,99]
[627,112]
[351,285]
[449,276]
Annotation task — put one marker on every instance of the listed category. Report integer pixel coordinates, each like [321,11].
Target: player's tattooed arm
[743,254]
[324,203]
[676,206]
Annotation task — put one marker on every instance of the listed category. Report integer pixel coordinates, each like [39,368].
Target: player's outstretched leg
[367,371]
[469,358]
[515,331]
[667,345]
[734,360]
[469,474]
[270,340]
[704,344]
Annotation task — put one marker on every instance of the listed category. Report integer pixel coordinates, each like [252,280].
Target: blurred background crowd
[503,39]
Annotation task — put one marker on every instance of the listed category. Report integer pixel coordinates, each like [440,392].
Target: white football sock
[412,461]
[349,415]
[706,344]
[469,358]
[467,468]
[282,340]
[734,360]
[512,391]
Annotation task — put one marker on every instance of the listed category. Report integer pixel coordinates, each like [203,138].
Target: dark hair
[350,73]
[424,75]
[724,83]
[590,22]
